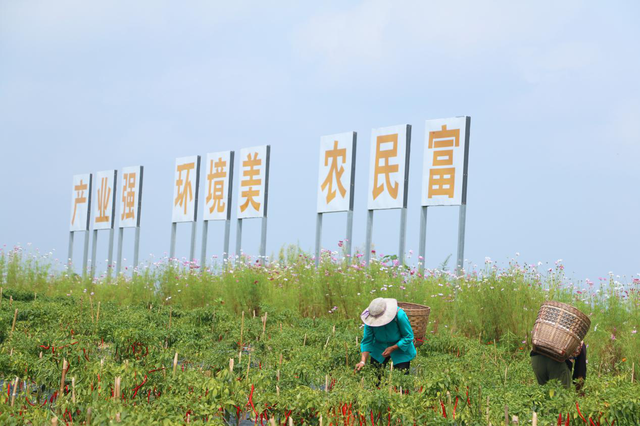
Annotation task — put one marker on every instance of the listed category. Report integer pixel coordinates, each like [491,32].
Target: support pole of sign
[423,238]
[70,256]
[203,252]
[85,253]
[463,206]
[94,249]
[403,234]
[192,252]
[172,248]
[119,258]
[318,237]
[349,232]
[263,241]
[136,248]
[367,244]
[239,238]
[227,232]
[110,253]
[461,232]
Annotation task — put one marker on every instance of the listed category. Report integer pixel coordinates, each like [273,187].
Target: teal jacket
[397,332]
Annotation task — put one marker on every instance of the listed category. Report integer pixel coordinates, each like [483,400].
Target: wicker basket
[419,318]
[558,330]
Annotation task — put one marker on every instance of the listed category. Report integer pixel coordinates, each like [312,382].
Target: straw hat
[380,312]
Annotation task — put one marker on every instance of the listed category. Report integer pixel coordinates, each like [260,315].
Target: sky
[551,88]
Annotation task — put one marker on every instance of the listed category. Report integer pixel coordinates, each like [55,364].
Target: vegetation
[295,346]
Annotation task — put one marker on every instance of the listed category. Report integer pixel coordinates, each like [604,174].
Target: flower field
[178,344]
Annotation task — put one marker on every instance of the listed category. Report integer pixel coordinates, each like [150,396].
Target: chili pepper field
[277,344]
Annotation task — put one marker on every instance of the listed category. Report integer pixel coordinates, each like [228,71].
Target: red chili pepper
[567,422]
[454,408]
[579,413]
[444,410]
[560,419]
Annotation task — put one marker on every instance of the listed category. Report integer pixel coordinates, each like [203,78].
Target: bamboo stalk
[326,383]
[304,342]
[277,390]
[326,344]
[487,409]
[98,313]
[65,366]
[88,421]
[506,415]
[534,419]
[10,300]
[175,364]
[290,421]
[73,390]
[15,317]
[264,323]
[13,394]
[54,421]
[272,421]
[231,365]
[91,306]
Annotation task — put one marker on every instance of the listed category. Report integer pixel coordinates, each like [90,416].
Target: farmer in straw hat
[387,335]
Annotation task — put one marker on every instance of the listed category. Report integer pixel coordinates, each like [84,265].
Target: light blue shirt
[397,332]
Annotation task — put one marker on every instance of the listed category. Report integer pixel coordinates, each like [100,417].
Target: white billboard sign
[254,176]
[80,202]
[130,199]
[104,207]
[444,176]
[185,189]
[218,181]
[389,167]
[337,172]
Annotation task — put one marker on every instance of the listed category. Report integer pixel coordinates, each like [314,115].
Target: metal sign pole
[192,251]
[367,244]
[119,258]
[85,255]
[318,237]
[70,256]
[461,232]
[110,254]
[423,238]
[263,241]
[238,238]
[463,207]
[227,232]
[94,249]
[172,248]
[203,252]
[403,211]
[349,232]
[136,248]
[403,234]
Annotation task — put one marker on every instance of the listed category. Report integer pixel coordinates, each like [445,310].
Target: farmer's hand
[359,366]
[388,351]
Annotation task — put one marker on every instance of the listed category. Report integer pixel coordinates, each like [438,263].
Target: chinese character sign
[217,183]
[445,162]
[337,170]
[104,206]
[185,189]
[130,197]
[254,175]
[389,167]
[80,202]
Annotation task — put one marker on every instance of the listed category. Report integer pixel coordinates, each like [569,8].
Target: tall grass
[491,305]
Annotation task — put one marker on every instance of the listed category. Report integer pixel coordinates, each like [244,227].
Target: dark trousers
[547,369]
[378,366]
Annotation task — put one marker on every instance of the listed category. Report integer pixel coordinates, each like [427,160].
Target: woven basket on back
[558,330]
[419,318]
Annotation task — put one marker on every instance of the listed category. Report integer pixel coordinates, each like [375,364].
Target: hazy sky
[551,87]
